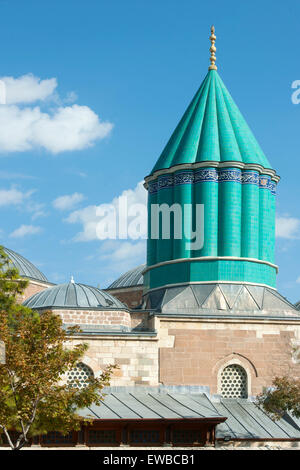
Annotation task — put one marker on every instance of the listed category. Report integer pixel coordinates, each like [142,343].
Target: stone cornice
[246,283]
[286,320]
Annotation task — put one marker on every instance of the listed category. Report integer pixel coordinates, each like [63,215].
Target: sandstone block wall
[194,352]
[33,288]
[105,318]
[131,296]
[137,359]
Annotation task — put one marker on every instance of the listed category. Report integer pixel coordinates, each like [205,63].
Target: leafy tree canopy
[33,397]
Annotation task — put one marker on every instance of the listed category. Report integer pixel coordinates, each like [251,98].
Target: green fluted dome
[212,159]
[212,129]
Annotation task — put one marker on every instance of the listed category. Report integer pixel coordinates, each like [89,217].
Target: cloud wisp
[13,196]
[287,227]
[25,230]
[67,202]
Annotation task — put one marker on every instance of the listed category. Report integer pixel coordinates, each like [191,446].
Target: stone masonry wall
[132,297]
[33,288]
[194,352]
[95,317]
[140,321]
[137,359]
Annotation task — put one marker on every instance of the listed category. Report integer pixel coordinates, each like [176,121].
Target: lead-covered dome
[25,267]
[73,296]
[132,278]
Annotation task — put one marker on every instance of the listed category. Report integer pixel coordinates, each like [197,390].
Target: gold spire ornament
[212,49]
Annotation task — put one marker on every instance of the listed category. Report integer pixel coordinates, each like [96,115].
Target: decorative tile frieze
[165,182]
[265,182]
[183,178]
[212,175]
[204,174]
[152,187]
[229,174]
[250,177]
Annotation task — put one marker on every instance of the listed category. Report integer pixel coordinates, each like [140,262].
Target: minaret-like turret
[212,159]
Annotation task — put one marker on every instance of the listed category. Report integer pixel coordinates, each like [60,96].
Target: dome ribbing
[212,129]
[72,295]
[25,267]
[131,278]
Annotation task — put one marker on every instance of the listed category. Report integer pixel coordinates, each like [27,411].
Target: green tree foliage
[284,395]
[33,397]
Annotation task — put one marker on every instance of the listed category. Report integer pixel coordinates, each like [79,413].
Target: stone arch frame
[79,365]
[90,363]
[239,360]
[93,365]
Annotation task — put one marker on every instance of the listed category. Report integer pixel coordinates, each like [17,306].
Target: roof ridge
[193,126]
[207,117]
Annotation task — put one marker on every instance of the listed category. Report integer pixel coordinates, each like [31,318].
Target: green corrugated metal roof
[212,129]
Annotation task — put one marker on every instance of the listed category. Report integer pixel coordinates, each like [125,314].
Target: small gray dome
[73,296]
[25,268]
[131,278]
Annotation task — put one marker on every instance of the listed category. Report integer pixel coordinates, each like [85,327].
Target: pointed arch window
[79,376]
[234,382]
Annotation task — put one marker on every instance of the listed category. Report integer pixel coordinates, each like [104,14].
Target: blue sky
[121,73]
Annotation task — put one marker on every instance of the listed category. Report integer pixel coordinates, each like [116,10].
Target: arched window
[234,382]
[79,376]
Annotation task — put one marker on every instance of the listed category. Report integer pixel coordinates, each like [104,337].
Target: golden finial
[212,50]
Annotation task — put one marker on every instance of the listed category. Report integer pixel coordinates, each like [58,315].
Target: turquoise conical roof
[212,129]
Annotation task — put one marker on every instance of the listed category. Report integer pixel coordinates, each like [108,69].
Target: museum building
[196,332]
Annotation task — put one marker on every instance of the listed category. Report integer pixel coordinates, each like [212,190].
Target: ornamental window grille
[79,376]
[234,382]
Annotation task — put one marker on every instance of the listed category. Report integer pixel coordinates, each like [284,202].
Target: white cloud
[67,128]
[89,219]
[36,209]
[67,201]
[287,227]
[25,230]
[13,196]
[60,129]
[120,256]
[298,280]
[28,89]
[120,251]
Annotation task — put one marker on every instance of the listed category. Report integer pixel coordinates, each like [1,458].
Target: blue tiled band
[212,175]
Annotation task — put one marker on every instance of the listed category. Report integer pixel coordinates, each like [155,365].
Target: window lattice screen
[102,437]
[79,375]
[55,437]
[187,436]
[144,436]
[234,382]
